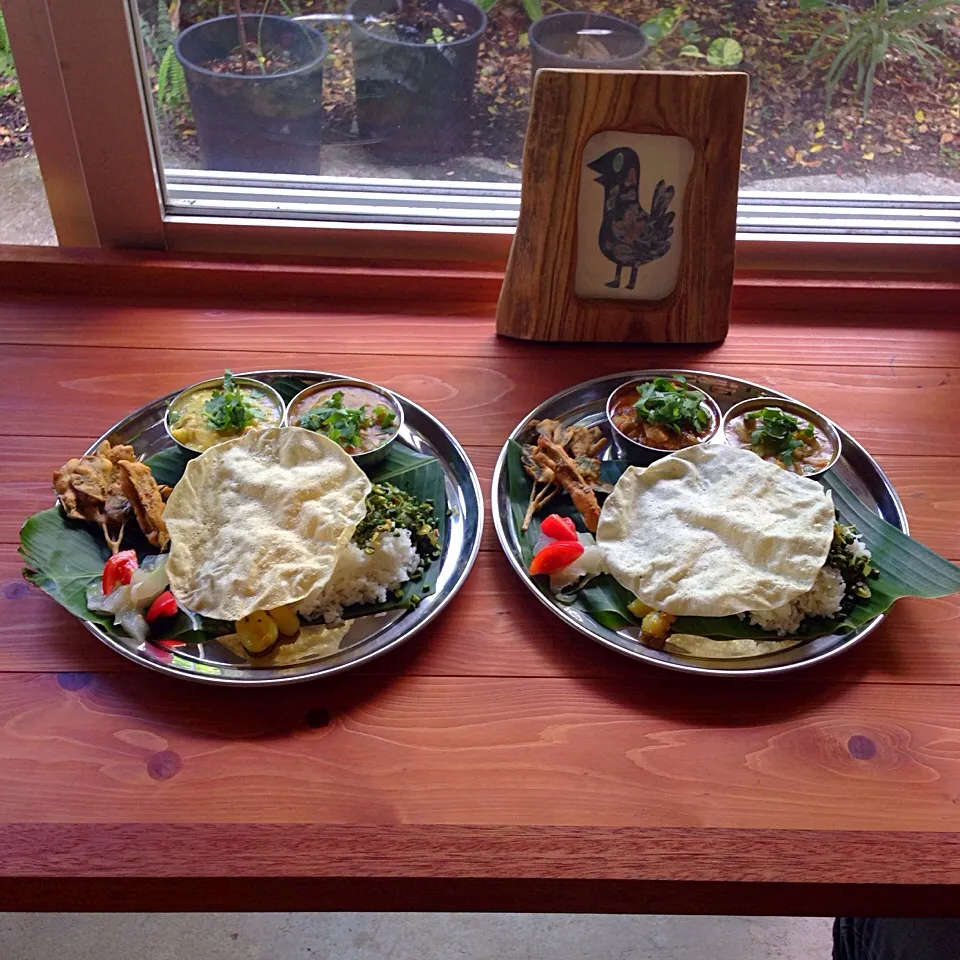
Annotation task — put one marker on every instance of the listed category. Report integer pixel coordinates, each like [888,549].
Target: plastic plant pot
[264,122]
[586,41]
[414,99]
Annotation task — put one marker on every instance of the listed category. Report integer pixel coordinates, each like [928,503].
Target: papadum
[712,531]
[260,521]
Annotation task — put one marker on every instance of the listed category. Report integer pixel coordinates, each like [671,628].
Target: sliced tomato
[555,556]
[118,570]
[560,528]
[164,606]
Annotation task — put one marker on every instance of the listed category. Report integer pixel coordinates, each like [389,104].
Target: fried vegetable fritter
[104,486]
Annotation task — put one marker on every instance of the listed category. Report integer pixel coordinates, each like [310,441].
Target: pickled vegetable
[286,619]
[258,632]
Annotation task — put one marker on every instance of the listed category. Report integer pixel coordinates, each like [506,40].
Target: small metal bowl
[639,453]
[370,457]
[218,382]
[792,407]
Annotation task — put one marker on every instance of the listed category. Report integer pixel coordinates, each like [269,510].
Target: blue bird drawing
[629,235]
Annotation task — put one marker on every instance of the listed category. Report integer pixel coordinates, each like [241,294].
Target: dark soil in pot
[415,67]
[269,119]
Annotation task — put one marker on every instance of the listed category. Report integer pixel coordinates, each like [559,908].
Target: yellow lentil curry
[202,418]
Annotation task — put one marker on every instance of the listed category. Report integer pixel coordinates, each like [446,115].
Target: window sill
[920,278]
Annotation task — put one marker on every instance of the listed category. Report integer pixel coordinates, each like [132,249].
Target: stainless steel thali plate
[369,636]
[586,404]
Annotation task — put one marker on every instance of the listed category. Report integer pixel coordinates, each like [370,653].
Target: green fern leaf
[163,77]
[178,82]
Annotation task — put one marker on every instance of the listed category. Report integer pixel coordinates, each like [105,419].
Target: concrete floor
[410,936]
[24,214]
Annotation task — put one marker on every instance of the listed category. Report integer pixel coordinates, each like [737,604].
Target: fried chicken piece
[585,442]
[581,443]
[115,454]
[143,492]
[579,446]
[89,488]
[536,470]
[567,476]
[553,430]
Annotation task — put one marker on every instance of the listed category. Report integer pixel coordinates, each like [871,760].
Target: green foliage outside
[854,42]
[8,72]
[171,89]
[720,51]
[532,8]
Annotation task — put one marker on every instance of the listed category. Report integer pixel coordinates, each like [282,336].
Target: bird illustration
[629,236]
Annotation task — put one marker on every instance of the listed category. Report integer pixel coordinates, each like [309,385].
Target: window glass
[862,96]
[24,213]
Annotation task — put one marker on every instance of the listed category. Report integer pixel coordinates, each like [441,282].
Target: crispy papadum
[713,531]
[260,521]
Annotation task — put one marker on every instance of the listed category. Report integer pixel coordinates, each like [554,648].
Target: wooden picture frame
[573,109]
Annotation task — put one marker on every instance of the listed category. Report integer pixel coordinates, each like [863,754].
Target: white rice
[857,548]
[363,577]
[823,599]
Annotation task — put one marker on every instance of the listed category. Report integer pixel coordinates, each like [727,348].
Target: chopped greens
[670,403]
[849,555]
[383,417]
[341,424]
[780,434]
[388,509]
[229,408]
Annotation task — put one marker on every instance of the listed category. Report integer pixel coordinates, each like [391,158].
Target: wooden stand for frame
[538,301]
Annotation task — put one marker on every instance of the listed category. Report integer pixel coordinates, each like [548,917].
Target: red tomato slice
[164,606]
[118,570]
[560,528]
[556,556]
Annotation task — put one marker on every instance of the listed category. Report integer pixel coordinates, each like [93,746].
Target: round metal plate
[369,636]
[586,404]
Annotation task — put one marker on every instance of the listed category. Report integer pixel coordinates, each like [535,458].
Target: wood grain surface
[538,300]
[499,760]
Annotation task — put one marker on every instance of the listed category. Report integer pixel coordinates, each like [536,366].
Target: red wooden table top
[498,760]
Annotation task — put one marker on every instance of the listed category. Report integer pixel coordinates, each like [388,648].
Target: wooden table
[499,760]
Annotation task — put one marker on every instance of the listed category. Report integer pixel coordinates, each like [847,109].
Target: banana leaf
[288,387]
[168,465]
[63,557]
[906,567]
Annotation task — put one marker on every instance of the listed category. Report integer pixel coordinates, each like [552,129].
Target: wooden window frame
[84,86]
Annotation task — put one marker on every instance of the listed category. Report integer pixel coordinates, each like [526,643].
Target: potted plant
[256,88]
[596,41]
[415,62]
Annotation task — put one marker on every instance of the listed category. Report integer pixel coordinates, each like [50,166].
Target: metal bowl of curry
[209,412]
[653,418]
[363,418]
[790,434]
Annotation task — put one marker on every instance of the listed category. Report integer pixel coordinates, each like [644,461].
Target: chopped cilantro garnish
[341,424]
[383,416]
[229,408]
[780,434]
[671,403]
